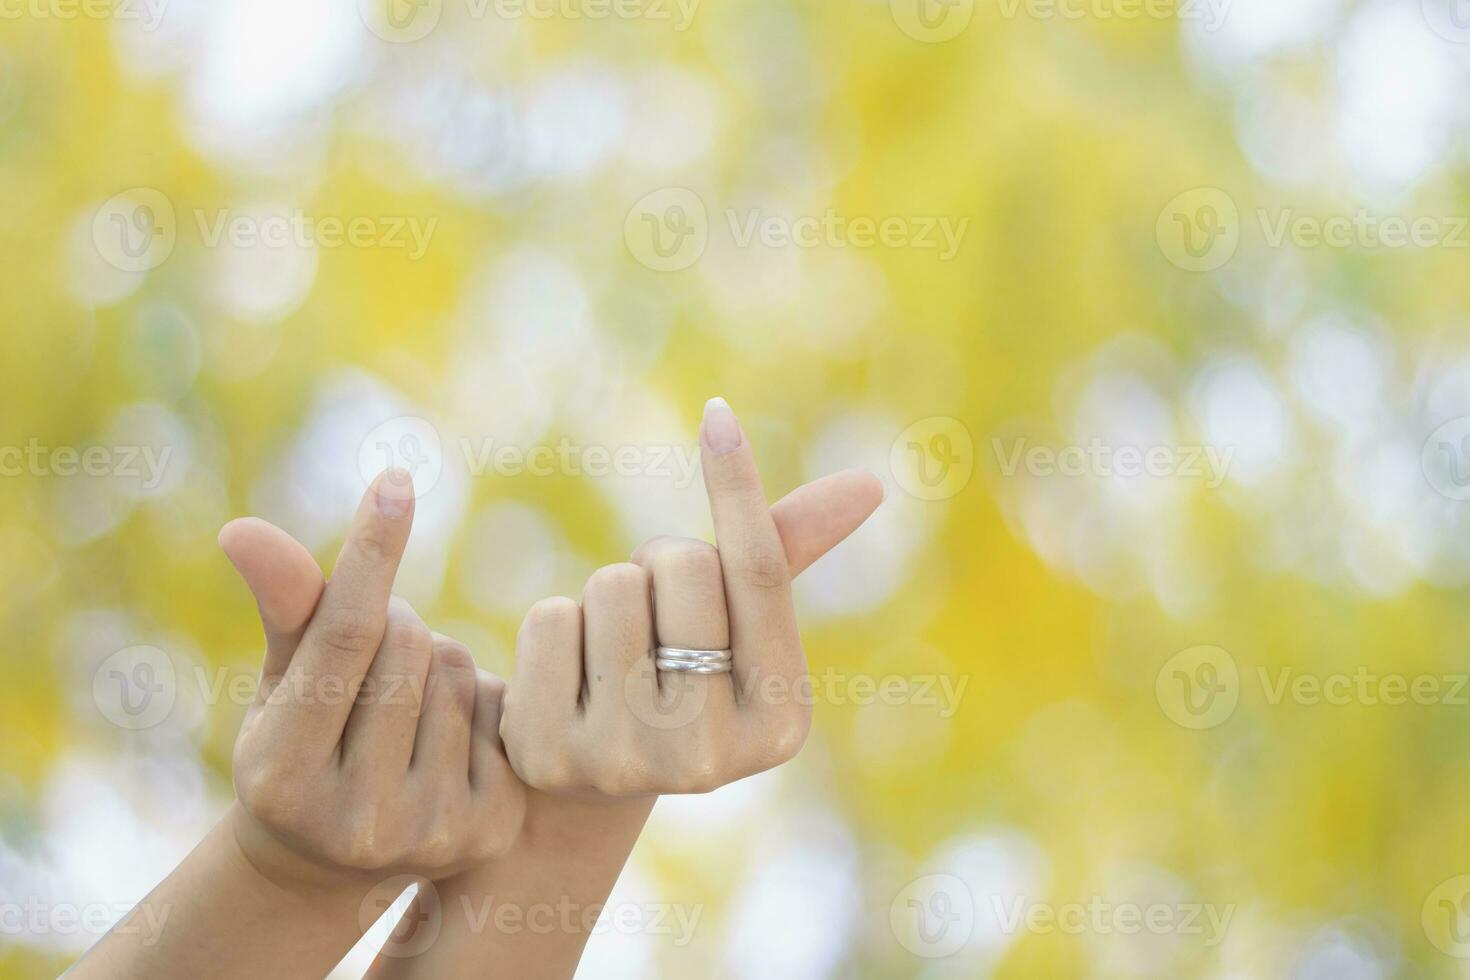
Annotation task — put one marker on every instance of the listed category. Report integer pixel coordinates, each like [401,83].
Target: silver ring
[690,667]
[683,661]
[694,656]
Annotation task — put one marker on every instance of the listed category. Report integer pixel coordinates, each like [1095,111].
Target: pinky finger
[487,753]
[498,792]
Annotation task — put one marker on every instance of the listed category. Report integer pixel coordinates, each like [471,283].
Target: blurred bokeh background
[998,251]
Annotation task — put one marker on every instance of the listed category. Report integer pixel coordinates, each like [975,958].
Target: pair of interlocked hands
[425,765]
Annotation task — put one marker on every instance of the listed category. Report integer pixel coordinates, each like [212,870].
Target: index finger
[763,632]
[342,638]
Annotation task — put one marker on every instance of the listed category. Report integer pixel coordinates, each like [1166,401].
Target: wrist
[559,825]
[273,867]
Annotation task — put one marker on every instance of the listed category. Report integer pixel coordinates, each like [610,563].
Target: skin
[371,754]
[577,715]
[303,856]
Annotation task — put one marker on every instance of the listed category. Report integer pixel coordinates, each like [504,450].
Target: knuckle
[702,772]
[491,687]
[783,739]
[405,630]
[499,834]
[653,547]
[700,781]
[453,675]
[546,771]
[453,690]
[450,654]
[697,565]
[618,783]
[550,613]
[373,543]
[437,845]
[269,795]
[762,570]
[736,479]
[510,717]
[349,632]
[624,578]
[493,843]
[362,843]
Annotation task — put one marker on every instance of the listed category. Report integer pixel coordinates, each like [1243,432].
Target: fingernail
[721,429]
[394,490]
[881,483]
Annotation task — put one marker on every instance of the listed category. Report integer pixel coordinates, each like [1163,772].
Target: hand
[588,716]
[571,851]
[373,746]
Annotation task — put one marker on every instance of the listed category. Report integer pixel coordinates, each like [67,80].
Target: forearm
[216,915]
[530,913]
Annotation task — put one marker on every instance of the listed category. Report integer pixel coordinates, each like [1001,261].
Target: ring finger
[689,613]
[380,731]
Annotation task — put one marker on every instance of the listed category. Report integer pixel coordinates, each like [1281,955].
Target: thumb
[815,518]
[283,577]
